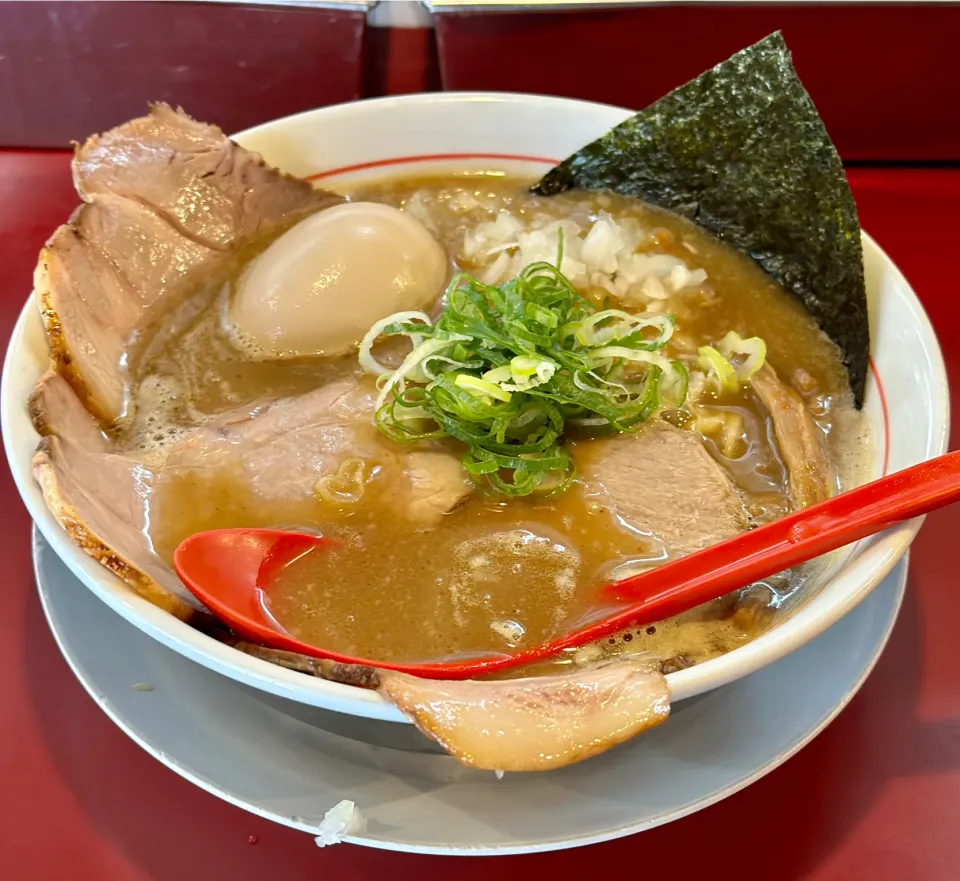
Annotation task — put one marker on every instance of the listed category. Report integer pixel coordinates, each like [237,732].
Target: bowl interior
[906,400]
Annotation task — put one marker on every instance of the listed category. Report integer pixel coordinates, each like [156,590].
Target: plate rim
[39,544]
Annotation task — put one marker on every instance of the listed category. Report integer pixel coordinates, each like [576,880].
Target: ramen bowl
[906,401]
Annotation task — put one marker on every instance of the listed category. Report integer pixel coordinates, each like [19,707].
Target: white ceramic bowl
[907,402]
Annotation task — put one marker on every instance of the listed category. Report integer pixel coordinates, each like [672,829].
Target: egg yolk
[320,286]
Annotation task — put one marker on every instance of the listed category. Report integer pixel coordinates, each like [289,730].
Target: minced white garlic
[605,255]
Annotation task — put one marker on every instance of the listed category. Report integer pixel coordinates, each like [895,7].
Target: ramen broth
[496,574]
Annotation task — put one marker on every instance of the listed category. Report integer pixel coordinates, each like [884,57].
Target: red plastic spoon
[227,569]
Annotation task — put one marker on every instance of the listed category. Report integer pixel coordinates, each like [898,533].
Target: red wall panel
[69,69]
[884,76]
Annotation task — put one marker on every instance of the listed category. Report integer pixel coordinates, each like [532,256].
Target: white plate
[270,756]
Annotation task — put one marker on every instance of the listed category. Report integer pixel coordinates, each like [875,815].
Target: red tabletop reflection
[875,797]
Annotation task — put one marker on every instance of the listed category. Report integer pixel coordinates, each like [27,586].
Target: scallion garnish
[505,368]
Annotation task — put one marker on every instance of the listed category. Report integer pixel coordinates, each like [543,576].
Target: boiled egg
[321,285]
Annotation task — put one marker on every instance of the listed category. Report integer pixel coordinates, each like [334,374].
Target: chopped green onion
[505,369]
[601,329]
[481,387]
[753,351]
[524,365]
[367,361]
[499,374]
[611,353]
[412,367]
[713,362]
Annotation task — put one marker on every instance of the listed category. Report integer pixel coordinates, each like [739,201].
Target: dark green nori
[742,151]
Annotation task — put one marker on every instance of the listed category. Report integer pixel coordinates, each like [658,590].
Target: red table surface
[875,797]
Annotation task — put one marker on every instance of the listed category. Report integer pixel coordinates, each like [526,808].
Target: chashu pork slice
[799,438]
[55,409]
[99,280]
[534,724]
[278,450]
[663,483]
[434,485]
[206,186]
[166,199]
[100,497]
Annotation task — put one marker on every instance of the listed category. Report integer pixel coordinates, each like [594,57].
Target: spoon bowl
[226,569]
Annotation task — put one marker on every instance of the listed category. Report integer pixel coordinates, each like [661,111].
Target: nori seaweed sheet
[742,151]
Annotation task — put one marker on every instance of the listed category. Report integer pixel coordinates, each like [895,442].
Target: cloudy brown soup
[484,573]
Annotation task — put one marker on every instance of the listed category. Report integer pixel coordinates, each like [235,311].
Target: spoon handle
[794,539]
